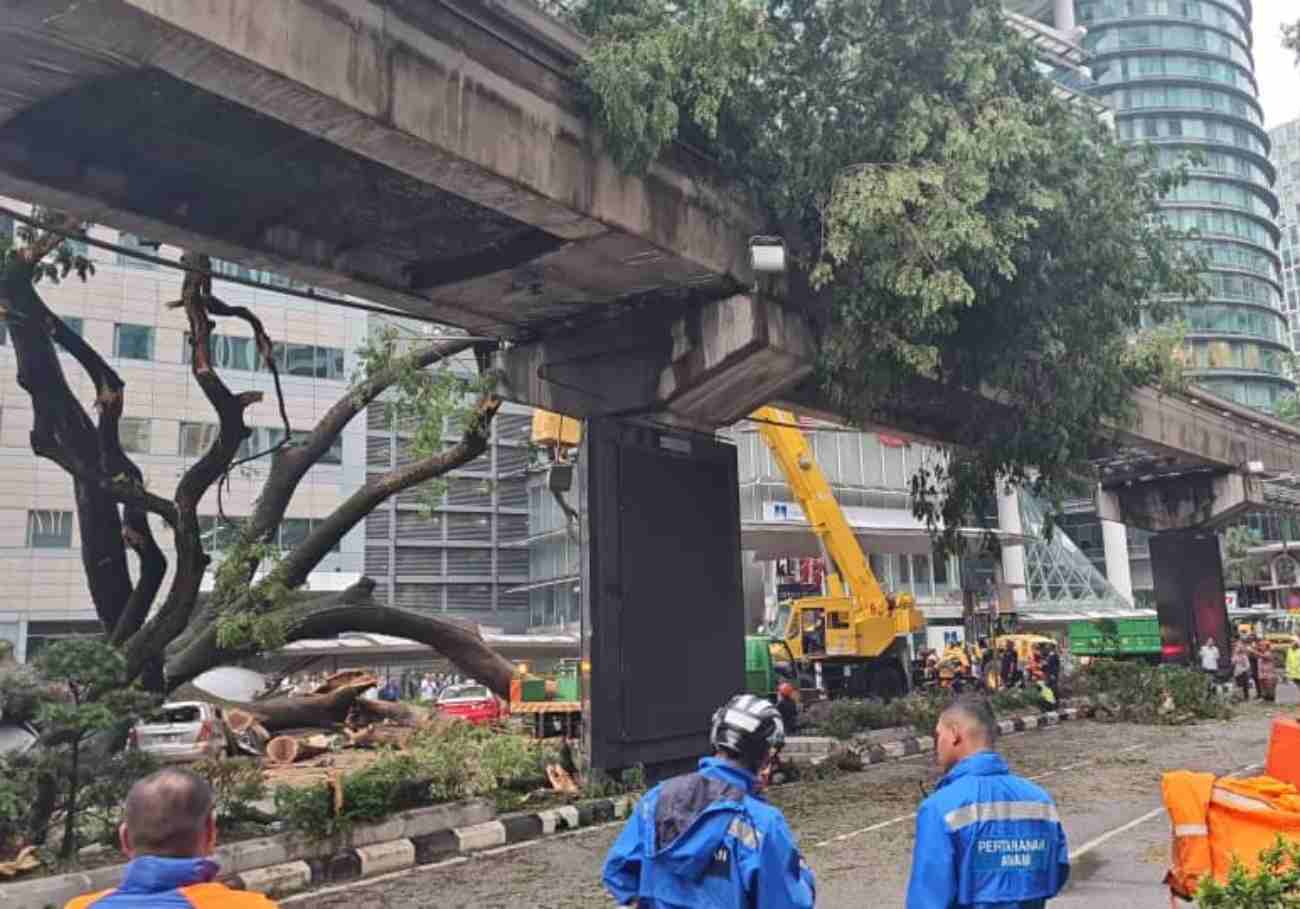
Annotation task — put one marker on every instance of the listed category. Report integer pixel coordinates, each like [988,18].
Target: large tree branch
[327,615]
[48,241]
[293,571]
[145,648]
[293,463]
[264,347]
[63,432]
[110,396]
[298,564]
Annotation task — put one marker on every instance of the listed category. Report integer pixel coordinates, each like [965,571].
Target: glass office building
[1286,157]
[1179,74]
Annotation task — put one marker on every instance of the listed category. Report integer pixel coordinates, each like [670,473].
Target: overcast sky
[1279,79]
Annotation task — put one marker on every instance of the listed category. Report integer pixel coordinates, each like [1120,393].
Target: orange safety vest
[200,896]
[1217,820]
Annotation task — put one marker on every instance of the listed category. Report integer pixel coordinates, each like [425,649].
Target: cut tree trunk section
[288,712]
[285,749]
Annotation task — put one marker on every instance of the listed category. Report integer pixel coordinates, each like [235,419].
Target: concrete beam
[473,99]
[1193,429]
[706,366]
[1206,498]
[1198,427]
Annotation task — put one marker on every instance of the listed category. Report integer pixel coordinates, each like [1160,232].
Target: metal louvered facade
[453,555]
[1180,75]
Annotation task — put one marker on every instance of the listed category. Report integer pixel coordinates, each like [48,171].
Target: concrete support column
[1064,17]
[1013,557]
[1114,537]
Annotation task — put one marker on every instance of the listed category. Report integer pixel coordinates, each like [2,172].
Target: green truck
[1120,639]
[768,663]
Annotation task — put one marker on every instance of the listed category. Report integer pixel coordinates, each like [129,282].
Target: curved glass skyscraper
[1180,75]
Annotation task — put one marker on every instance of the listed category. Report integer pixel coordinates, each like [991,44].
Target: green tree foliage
[1239,566]
[430,405]
[1135,692]
[1288,408]
[99,704]
[64,261]
[1275,884]
[956,219]
[237,784]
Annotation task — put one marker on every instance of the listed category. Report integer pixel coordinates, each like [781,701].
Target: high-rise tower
[1180,75]
[1286,158]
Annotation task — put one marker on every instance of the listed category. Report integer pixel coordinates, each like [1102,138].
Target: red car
[474,703]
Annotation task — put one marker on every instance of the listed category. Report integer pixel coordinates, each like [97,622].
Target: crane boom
[854,635]
[849,572]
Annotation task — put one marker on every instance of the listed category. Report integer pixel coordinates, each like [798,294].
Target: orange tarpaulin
[1284,750]
[1217,819]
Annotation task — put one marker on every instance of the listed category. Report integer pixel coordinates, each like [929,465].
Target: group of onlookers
[1255,662]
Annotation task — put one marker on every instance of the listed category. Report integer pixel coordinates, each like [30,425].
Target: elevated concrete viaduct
[433,156]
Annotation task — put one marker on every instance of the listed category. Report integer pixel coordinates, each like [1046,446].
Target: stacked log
[280,728]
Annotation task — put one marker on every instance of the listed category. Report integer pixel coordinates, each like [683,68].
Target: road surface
[856,831]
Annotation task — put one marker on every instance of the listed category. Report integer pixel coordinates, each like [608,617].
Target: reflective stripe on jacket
[704,839]
[1221,821]
[155,882]
[987,838]
[1187,799]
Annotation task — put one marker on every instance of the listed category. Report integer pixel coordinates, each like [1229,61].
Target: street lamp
[767,255]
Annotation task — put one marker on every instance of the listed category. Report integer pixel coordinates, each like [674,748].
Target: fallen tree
[170,633]
[171,636]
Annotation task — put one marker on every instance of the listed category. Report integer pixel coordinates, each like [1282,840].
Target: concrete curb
[290,863]
[815,750]
[363,862]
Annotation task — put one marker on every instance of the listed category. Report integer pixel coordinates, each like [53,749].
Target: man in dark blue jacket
[986,838]
[707,838]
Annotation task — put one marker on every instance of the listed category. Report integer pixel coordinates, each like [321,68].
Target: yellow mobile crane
[856,635]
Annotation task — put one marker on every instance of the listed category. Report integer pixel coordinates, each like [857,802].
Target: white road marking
[1109,835]
[907,817]
[1137,822]
[462,859]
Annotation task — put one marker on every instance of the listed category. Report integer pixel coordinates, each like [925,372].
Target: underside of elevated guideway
[433,157]
[1186,459]
[429,156]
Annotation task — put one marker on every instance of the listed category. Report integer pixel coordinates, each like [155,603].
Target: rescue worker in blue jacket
[707,838]
[986,837]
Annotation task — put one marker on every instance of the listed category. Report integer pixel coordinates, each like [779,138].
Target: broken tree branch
[354,609]
[63,432]
[299,563]
[292,465]
[145,648]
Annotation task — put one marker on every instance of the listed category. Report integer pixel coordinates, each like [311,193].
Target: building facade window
[132,342]
[135,434]
[48,529]
[305,360]
[219,535]
[75,324]
[133,243]
[196,438]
